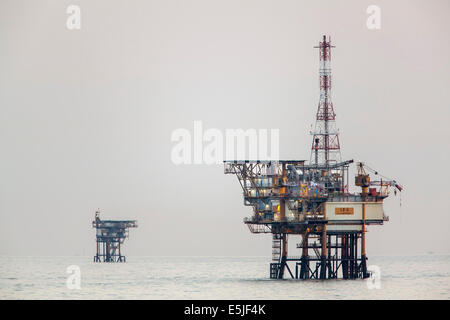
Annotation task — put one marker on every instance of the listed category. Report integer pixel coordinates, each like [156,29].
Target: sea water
[400,277]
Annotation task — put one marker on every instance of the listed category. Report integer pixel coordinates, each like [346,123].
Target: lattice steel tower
[325,148]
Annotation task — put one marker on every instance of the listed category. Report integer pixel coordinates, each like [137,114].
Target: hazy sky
[86,116]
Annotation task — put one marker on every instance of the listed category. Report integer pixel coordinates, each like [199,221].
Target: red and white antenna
[326,148]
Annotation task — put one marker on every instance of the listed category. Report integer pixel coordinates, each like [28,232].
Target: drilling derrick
[312,201]
[110,234]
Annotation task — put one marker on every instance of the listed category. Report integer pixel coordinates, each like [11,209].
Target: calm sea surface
[410,277]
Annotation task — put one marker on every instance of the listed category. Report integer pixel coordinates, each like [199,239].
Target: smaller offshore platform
[110,234]
[313,200]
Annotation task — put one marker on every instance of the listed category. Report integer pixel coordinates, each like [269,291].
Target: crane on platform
[362,179]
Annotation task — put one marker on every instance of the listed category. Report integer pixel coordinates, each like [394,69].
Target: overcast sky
[86,116]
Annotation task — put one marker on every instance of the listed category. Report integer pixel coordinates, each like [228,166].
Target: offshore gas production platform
[110,234]
[312,199]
